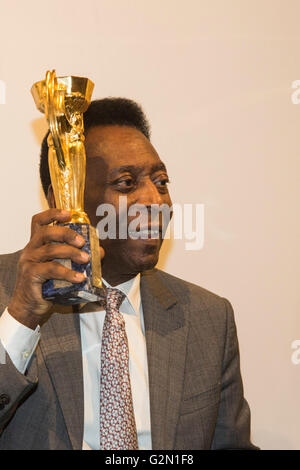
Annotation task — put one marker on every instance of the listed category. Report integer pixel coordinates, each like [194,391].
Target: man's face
[122,162]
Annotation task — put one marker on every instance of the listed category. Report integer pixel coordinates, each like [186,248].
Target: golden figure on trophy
[63,100]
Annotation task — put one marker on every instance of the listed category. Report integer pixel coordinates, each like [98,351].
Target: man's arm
[233,424]
[14,386]
[27,308]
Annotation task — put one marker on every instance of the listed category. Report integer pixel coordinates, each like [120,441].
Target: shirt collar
[132,291]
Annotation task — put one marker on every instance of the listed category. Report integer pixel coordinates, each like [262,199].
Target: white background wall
[214,77]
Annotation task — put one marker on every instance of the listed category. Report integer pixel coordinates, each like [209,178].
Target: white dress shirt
[20,343]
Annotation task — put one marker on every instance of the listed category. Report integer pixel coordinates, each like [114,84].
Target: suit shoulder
[177,284]
[209,314]
[192,293]
[9,261]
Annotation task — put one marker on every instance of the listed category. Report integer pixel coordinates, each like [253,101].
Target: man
[185,387]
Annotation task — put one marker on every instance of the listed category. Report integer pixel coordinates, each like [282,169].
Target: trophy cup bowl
[78,89]
[63,100]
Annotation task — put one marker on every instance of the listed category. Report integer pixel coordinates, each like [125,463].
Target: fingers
[38,263]
[47,217]
[53,251]
[47,234]
[41,272]
[49,243]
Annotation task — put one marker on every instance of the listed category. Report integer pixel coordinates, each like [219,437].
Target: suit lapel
[166,336]
[61,348]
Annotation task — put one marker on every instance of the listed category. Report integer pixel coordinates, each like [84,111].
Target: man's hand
[36,265]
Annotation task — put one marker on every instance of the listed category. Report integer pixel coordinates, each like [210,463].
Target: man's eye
[163,183]
[125,183]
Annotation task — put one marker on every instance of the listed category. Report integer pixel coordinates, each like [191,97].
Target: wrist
[22,315]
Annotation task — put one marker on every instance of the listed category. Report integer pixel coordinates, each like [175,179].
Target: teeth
[144,234]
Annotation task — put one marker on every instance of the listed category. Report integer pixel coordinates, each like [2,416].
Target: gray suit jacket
[196,392]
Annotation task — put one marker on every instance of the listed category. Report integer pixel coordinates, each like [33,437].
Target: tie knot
[114,298]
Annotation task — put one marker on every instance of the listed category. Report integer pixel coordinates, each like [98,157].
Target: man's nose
[149,194]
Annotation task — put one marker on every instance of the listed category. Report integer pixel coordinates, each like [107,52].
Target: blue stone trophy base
[90,290]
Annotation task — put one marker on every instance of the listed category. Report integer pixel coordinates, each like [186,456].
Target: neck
[114,278]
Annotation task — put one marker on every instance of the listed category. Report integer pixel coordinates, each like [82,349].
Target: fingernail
[85,256]
[64,213]
[79,240]
[80,276]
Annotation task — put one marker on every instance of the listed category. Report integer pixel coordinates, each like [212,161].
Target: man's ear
[50,197]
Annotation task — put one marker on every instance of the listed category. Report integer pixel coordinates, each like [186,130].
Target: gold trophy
[63,100]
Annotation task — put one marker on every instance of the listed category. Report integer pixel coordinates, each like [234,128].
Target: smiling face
[122,162]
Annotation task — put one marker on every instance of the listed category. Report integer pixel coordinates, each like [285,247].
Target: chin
[132,257]
[144,263]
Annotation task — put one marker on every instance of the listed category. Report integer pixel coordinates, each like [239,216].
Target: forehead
[120,146]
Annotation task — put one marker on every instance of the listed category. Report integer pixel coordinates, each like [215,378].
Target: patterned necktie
[117,422]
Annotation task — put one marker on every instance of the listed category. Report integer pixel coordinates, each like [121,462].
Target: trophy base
[91,289]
